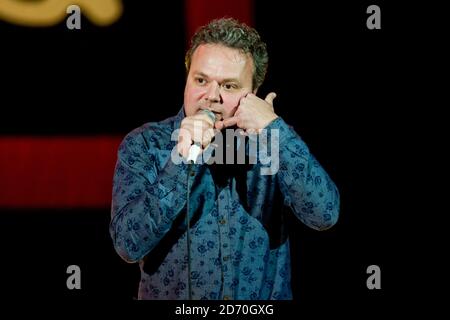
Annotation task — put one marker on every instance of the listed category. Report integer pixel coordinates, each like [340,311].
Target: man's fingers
[197,128]
[183,148]
[207,137]
[269,98]
[219,125]
[184,142]
[230,122]
[251,131]
[202,117]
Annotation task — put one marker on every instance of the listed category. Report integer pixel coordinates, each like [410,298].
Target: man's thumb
[270,97]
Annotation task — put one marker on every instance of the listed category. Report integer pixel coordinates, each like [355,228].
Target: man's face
[218,77]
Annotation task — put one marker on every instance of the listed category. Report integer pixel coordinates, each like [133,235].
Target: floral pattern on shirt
[239,246]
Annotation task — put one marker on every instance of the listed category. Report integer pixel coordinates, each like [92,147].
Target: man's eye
[229,86]
[200,80]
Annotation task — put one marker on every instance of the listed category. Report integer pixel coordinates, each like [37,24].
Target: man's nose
[213,93]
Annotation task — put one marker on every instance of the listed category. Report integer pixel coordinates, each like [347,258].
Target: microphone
[196,148]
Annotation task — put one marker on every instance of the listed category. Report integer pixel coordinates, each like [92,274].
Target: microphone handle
[194,151]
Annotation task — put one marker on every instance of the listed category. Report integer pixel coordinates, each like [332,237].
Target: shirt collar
[178,118]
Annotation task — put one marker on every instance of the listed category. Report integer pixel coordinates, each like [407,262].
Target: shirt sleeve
[305,185]
[145,200]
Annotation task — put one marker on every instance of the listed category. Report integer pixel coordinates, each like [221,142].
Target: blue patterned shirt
[239,245]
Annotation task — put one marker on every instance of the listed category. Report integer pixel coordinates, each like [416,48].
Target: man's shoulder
[152,134]
[151,129]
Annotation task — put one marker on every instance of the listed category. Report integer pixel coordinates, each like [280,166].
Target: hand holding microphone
[196,132]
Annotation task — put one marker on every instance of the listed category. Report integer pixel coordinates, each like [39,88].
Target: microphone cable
[188,227]
[194,151]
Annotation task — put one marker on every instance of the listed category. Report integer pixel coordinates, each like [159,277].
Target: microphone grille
[210,114]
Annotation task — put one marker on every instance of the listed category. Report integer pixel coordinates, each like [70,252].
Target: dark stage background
[337,84]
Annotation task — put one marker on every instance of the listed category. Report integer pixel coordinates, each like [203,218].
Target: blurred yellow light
[50,12]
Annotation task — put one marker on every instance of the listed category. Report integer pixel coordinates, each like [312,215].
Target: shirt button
[223,221]
[226,298]
[226,258]
[192,173]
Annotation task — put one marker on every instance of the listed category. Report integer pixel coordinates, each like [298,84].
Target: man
[212,230]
